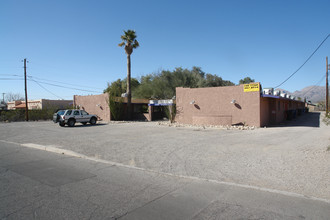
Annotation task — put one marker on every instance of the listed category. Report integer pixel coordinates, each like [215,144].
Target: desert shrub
[116,108]
[13,115]
[115,101]
[34,115]
[170,112]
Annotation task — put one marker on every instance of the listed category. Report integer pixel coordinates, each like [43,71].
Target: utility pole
[26,98]
[327,90]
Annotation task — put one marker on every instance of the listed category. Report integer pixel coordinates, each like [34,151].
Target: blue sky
[76,42]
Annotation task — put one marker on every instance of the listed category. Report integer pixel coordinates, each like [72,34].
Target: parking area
[292,158]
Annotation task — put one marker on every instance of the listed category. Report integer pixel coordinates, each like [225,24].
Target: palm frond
[121,44]
[131,34]
[135,44]
[124,37]
[129,38]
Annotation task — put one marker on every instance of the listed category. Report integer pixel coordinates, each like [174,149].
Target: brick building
[39,104]
[230,105]
[98,105]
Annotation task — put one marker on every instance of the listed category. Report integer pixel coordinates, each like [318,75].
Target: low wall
[212,120]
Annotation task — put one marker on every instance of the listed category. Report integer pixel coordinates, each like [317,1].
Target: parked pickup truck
[71,116]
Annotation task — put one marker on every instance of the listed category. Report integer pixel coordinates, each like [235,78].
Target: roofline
[279,97]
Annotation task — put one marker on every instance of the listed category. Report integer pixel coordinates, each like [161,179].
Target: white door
[77,115]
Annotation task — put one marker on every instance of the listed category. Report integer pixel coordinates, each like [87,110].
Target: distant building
[39,104]
[311,107]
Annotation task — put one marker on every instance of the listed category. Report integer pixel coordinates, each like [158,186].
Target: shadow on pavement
[311,119]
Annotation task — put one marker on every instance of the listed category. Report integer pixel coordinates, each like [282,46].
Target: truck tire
[62,124]
[93,121]
[71,122]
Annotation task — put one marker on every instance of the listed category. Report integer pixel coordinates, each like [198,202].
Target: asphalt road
[292,158]
[36,184]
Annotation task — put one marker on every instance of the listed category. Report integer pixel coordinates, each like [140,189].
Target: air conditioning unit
[284,95]
[268,91]
[277,92]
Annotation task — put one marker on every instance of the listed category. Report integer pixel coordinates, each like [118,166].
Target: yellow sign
[252,87]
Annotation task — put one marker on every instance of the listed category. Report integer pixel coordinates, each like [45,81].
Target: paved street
[293,158]
[145,170]
[36,184]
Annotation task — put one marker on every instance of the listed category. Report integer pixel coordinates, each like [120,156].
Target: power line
[61,82]
[317,84]
[66,87]
[10,79]
[33,78]
[10,75]
[85,90]
[304,62]
[47,89]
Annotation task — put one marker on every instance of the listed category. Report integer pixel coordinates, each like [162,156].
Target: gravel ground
[292,157]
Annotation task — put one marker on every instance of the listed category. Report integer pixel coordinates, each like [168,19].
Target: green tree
[130,43]
[161,85]
[123,84]
[214,81]
[115,86]
[145,89]
[115,101]
[134,85]
[246,80]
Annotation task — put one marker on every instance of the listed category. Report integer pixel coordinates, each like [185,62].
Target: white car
[71,116]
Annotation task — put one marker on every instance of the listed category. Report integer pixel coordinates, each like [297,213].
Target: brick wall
[212,106]
[94,104]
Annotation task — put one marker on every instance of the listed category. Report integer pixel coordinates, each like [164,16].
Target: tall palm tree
[130,43]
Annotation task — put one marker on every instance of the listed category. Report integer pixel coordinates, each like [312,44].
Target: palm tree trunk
[129,94]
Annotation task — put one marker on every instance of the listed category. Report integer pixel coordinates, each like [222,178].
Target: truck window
[68,112]
[84,113]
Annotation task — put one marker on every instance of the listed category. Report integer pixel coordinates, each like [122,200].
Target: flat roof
[279,97]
